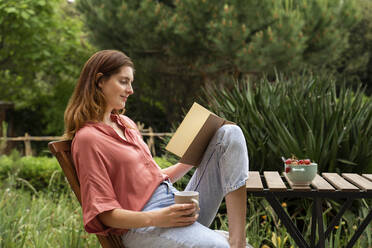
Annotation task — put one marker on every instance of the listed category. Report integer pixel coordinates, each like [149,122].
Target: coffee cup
[187,197]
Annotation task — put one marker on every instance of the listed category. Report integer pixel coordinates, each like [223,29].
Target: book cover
[192,137]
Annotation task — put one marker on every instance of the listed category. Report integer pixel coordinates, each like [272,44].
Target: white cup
[187,197]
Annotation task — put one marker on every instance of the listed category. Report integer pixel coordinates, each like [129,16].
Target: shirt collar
[117,119]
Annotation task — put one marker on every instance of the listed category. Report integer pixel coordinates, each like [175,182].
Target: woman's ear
[98,77]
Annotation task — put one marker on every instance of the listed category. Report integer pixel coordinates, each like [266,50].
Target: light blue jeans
[224,168]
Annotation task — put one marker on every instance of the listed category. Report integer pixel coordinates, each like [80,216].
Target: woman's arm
[171,216]
[177,171]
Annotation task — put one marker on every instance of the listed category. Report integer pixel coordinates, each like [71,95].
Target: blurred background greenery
[274,52]
[296,76]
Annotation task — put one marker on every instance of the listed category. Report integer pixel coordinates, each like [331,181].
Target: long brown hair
[87,102]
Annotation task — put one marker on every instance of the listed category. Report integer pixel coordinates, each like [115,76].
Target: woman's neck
[107,118]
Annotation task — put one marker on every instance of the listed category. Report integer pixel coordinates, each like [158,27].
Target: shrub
[162,162]
[40,173]
[304,115]
[6,164]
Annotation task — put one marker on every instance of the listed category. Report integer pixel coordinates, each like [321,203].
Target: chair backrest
[62,151]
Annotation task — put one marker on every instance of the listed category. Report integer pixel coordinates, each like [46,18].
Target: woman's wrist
[149,218]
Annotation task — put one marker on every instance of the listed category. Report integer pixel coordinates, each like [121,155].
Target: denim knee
[231,140]
[232,156]
[231,134]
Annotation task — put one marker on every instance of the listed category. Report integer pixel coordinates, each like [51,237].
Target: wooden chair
[62,151]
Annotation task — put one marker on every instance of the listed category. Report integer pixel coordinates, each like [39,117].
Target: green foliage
[3,133]
[169,160]
[6,165]
[41,222]
[178,46]
[224,35]
[35,173]
[40,58]
[162,162]
[48,220]
[264,226]
[41,173]
[302,115]
[53,219]
[356,62]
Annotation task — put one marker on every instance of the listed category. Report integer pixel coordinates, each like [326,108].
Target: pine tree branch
[254,31]
[168,3]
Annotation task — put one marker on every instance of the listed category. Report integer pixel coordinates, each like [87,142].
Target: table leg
[319,214]
[291,227]
[360,230]
[337,218]
[313,226]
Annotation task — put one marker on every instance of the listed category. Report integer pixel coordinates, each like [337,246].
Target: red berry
[301,162]
[287,169]
[307,161]
[288,161]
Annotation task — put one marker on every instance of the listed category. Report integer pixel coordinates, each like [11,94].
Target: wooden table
[348,186]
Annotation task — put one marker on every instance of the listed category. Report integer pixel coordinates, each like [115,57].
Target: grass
[41,220]
[49,219]
[265,230]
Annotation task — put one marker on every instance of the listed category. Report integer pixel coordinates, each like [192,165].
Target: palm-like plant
[305,115]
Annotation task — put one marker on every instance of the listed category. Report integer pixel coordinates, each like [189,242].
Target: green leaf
[300,115]
[25,15]
[10,10]
[346,162]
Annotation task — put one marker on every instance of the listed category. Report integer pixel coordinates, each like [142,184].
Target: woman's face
[117,88]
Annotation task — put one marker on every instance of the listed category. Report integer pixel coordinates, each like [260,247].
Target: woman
[124,191]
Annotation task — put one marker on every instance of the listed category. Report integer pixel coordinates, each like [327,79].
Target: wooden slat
[340,183]
[296,187]
[359,181]
[368,176]
[60,146]
[321,184]
[254,182]
[274,181]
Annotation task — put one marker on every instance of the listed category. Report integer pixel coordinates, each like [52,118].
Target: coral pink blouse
[113,173]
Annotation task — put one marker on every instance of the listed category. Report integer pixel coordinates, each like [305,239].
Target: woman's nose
[130,89]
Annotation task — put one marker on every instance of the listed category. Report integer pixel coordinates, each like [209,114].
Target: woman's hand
[174,215]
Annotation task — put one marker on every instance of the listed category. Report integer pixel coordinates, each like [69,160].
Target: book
[192,137]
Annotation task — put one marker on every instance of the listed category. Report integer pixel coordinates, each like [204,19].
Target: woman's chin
[119,107]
